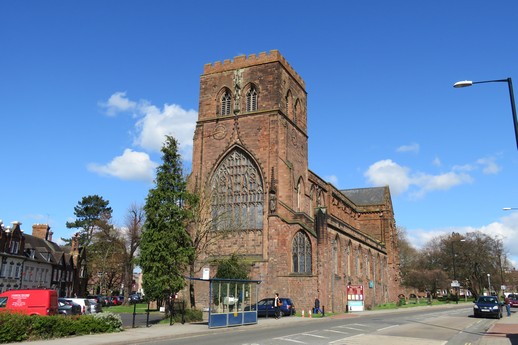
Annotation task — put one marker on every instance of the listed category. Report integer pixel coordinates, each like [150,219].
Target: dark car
[102,300]
[487,306]
[67,307]
[135,298]
[513,299]
[265,307]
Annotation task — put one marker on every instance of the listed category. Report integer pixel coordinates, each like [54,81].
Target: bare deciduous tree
[134,221]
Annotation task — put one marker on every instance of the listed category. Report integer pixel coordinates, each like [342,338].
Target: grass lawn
[140,308]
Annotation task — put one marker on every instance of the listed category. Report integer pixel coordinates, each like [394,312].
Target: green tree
[233,267]
[165,246]
[89,212]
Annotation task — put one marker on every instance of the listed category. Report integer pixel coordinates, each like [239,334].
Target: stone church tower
[303,237]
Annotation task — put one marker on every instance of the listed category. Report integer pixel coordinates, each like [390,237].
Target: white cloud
[333,179]
[171,120]
[489,166]
[414,147]
[118,103]
[506,229]
[386,172]
[437,162]
[152,125]
[427,183]
[400,179]
[130,165]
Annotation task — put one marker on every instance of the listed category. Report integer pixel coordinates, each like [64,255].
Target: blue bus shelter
[231,302]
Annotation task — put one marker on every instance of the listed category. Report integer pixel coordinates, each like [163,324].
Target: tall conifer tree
[165,247]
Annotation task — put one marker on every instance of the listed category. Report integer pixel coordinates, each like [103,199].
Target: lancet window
[225,103]
[301,253]
[251,99]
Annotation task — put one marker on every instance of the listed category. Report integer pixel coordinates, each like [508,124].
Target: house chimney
[40,231]
[75,243]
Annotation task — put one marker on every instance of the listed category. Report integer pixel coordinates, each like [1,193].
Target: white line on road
[382,329]
[342,341]
[288,339]
[332,330]
[314,335]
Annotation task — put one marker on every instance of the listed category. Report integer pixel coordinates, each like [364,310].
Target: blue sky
[89,88]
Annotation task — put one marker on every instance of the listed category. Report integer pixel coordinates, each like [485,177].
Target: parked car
[487,306]
[30,302]
[67,307]
[265,307]
[83,302]
[102,300]
[95,307]
[135,298]
[117,300]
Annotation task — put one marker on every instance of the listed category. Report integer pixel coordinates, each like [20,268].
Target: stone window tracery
[301,253]
[238,197]
[225,103]
[251,99]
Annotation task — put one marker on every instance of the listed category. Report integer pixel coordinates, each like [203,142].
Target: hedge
[17,327]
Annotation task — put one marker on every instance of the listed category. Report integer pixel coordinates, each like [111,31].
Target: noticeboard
[355,297]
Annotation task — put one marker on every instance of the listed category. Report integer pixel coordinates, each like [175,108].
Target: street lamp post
[509,82]
[457,288]
[454,274]
[489,284]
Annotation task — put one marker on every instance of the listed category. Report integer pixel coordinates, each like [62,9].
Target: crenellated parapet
[243,61]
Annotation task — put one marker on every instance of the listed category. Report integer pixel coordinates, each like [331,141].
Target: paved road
[432,325]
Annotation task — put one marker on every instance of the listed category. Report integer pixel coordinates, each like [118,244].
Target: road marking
[382,329]
[342,341]
[288,339]
[332,330]
[354,329]
[314,335]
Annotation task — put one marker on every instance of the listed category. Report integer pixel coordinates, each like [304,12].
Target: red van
[30,302]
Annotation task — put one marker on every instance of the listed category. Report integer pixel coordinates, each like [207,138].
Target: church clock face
[220,132]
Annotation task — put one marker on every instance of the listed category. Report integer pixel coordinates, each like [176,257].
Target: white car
[83,302]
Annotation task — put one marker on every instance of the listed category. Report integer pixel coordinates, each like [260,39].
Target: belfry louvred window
[238,197]
[251,99]
[225,103]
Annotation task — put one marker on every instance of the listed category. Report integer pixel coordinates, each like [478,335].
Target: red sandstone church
[303,237]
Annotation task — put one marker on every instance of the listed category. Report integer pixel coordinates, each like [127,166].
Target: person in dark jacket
[316,308]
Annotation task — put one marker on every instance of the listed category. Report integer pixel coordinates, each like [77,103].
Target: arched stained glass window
[301,253]
[251,99]
[238,198]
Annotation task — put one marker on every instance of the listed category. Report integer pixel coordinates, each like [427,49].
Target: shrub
[13,327]
[17,327]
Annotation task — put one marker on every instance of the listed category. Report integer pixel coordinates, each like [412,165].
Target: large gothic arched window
[238,198]
[301,253]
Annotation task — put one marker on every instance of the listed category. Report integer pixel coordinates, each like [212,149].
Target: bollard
[302,312]
[134,314]
[323,310]
[309,314]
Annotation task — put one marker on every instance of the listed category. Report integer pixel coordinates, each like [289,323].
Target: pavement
[502,332]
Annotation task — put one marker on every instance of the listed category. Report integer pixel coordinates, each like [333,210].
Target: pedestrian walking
[316,308]
[277,302]
[507,306]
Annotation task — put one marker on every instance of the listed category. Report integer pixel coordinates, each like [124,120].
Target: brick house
[302,236]
[36,262]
